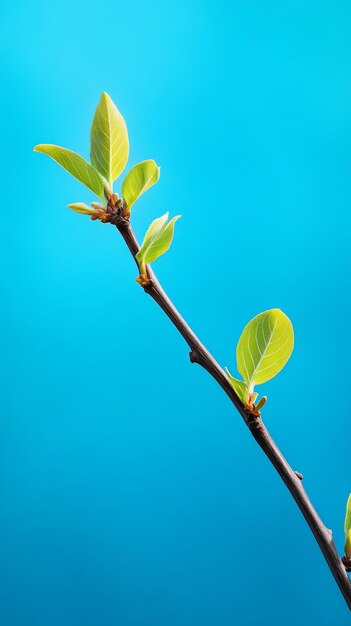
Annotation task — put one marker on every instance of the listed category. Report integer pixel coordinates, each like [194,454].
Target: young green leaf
[347,527]
[348,515]
[153,231]
[261,402]
[75,165]
[80,207]
[264,347]
[157,240]
[109,140]
[139,179]
[241,388]
[348,545]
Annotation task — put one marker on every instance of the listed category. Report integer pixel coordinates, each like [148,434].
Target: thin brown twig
[293,480]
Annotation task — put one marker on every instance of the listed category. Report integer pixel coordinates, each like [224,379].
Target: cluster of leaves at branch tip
[267,341]
[109,151]
[347,528]
[264,347]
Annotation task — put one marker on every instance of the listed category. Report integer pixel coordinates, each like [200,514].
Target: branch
[293,480]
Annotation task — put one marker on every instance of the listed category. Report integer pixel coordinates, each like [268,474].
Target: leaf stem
[199,354]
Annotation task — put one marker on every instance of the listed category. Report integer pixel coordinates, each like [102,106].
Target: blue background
[131,492]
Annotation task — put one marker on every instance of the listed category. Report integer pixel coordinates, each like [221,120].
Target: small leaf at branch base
[241,389]
[264,347]
[157,240]
[261,403]
[140,178]
[109,140]
[76,166]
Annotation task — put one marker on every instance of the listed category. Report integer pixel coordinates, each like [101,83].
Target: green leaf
[347,527]
[241,388]
[109,140]
[348,545]
[153,231]
[264,347]
[140,178]
[75,165]
[261,402]
[80,207]
[157,240]
[347,524]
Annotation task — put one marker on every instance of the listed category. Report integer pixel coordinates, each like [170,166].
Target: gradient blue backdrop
[131,493]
